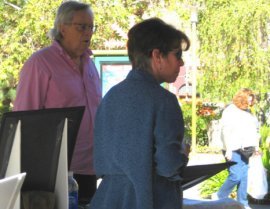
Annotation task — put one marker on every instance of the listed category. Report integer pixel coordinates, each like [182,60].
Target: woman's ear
[156,56]
[156,63]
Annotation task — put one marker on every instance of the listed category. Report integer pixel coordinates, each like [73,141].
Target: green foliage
[234,47]
[23,33]
[213,184]
[114,18]
[265,146]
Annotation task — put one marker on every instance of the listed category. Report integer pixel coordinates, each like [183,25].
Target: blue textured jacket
[137,146]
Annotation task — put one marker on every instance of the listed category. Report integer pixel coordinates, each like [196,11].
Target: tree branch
[12,5]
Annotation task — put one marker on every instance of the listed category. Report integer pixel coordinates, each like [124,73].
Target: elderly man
[63,75]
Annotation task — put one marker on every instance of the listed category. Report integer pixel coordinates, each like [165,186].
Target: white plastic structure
[10,190]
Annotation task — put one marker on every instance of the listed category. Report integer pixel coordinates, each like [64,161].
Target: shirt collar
[56,44]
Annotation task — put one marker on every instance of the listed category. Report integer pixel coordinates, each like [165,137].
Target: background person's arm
[32,86]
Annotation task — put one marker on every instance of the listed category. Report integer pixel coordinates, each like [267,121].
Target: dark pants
[87,187]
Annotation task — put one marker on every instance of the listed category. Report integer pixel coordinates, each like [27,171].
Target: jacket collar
[139,74]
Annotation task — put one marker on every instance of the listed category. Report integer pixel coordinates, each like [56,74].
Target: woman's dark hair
[151,34]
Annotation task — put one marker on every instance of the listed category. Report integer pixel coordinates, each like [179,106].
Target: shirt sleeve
[169,132]
[226,133]
[32,86]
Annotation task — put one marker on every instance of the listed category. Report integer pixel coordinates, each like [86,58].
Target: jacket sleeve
[168,133]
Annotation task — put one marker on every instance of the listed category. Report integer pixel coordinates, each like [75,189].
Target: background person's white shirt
[239,129]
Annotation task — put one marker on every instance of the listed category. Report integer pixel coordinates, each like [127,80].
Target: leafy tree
[234,47]
[116,17]
[8,20]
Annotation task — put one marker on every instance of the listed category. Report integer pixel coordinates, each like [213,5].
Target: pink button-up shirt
[50,79]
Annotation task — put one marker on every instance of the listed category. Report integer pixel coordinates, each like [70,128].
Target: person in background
[139,126]
[63,75]
[239,130]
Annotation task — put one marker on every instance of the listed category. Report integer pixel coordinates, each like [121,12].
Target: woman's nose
[181,61]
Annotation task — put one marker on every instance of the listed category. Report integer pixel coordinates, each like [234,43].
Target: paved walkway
[201,159]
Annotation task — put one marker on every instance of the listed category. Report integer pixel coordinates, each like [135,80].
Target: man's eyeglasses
[83,27]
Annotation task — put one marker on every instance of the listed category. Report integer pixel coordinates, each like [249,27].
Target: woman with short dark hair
[139,126]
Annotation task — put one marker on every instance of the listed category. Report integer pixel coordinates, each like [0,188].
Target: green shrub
[213,184]
[265,146]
